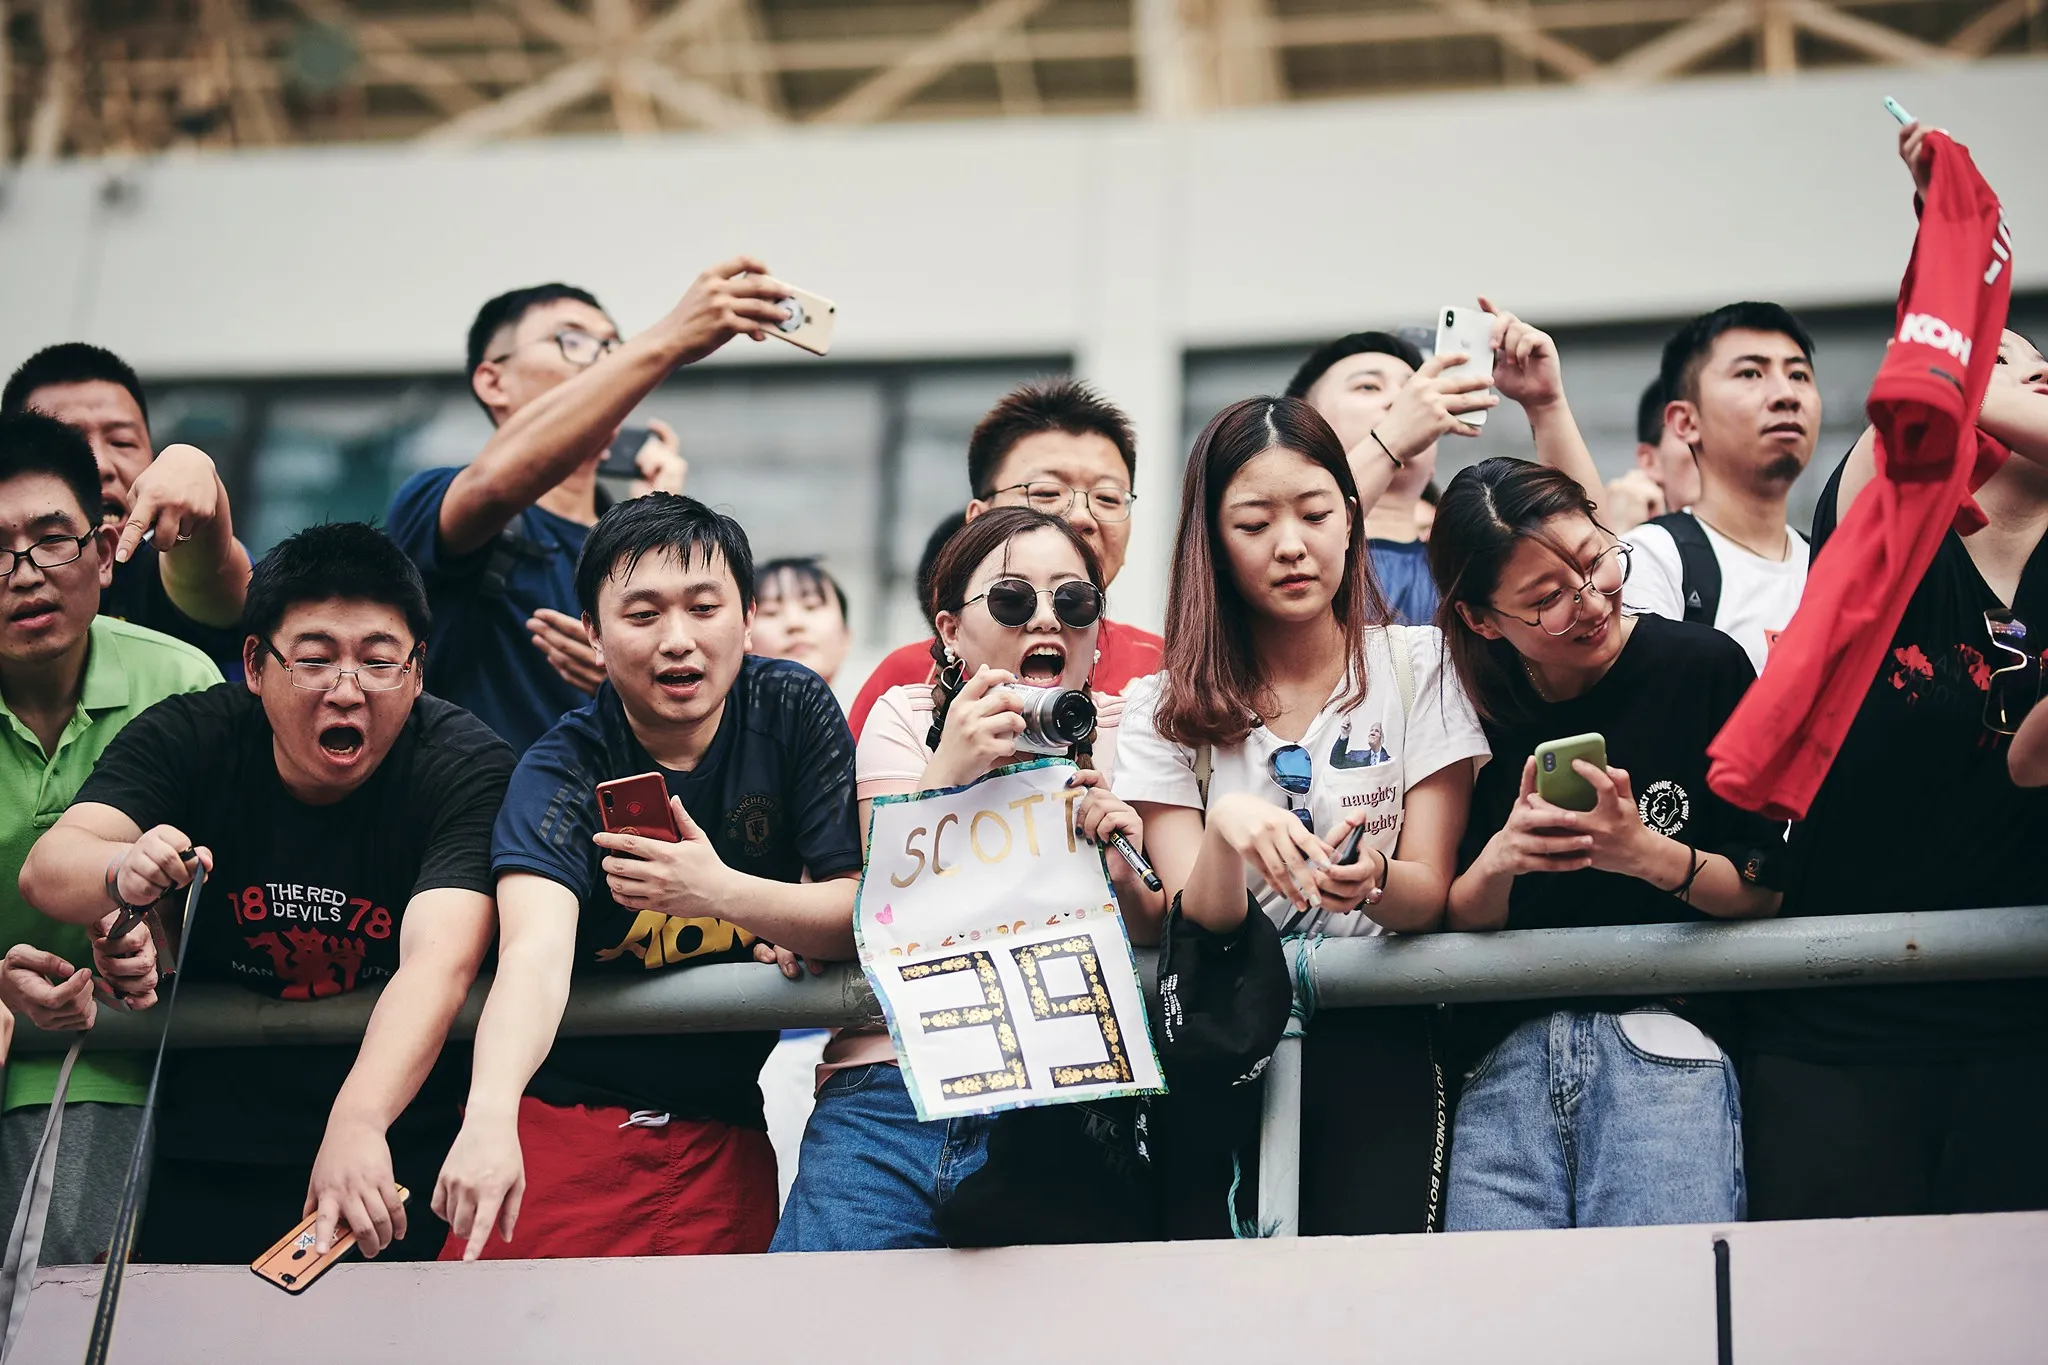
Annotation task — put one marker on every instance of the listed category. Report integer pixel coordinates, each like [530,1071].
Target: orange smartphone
[291,1265]
[638,805]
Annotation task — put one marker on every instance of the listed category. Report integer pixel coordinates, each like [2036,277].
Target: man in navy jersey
[497,539]
[652,1146]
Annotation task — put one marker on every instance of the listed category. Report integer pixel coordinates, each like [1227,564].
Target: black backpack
[1699,571]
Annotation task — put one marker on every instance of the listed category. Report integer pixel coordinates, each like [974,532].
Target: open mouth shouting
[1043,665]
[342,744]
[680,682]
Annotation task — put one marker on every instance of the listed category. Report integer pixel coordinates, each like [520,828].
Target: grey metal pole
[1534,964]
[1280,1144]
[724,998]
[1662,959]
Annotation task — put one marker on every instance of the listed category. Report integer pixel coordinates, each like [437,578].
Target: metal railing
[1534,964]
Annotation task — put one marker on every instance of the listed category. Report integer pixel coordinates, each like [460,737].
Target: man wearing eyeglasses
[497,539]
[188,579]
[344,821]
[69,681]
[1058,446]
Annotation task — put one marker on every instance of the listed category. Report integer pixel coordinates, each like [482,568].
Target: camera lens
[1072,719]
[1550,763]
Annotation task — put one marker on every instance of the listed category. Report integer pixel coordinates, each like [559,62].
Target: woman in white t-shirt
[1289,716]
[1017,598]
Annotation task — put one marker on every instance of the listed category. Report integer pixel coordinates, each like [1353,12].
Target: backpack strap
[1699,570]
[1404,668]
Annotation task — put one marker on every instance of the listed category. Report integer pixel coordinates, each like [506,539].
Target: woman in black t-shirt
[1597,1112]
[1924,1098]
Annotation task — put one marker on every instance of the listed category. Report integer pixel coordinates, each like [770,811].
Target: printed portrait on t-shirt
[1370,754]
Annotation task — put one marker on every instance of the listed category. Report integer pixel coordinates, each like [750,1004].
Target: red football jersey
[1778,745]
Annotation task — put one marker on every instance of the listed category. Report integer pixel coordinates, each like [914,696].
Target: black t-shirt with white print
[1919,812]
[1658,707]
[304,902]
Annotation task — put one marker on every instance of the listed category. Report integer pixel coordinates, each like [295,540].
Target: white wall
[1117,240]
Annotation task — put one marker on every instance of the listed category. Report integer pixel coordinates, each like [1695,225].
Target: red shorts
[689,1188]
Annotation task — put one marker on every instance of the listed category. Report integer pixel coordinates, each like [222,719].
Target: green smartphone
[1558,782]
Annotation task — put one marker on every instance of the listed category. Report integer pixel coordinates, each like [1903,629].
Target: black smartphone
[622,460]
[1347,854]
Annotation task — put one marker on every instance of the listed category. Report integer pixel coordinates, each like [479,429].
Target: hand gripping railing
[1659,959]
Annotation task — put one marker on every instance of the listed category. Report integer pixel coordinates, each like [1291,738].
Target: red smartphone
[638,805]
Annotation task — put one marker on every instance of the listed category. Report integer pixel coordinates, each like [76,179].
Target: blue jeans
[870,1176]
[1598,1120]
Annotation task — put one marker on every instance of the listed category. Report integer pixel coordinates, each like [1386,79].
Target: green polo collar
[106,681]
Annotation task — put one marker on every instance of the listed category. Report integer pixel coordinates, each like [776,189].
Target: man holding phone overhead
[344,820]
[654,1146]
[497,539]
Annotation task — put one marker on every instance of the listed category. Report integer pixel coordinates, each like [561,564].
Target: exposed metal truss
[93,76]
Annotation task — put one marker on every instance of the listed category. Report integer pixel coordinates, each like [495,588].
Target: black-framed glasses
[1108,503]
[47,553]
[1559,613]
[371,677]
[577,346]
[2013,688]
[1013,602]
[1294,772]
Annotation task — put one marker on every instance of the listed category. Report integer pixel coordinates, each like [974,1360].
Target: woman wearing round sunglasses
[1594,1112]
[1017,598]
[1290,719]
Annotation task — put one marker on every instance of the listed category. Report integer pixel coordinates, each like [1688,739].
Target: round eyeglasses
[325,677]
[1013,602]
[1057,499]
[577,346]
[1558,613]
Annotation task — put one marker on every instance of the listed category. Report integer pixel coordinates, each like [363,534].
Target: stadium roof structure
[90,77]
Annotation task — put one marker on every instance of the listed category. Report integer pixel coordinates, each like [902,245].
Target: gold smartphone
[291,1265]
[1558,782]
[810,322]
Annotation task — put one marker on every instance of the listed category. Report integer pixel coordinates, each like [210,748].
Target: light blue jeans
[870,1177]
[1598,1120]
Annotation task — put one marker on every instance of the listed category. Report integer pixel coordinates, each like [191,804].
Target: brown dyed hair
[1487,511]
[1214,683]
[981,537]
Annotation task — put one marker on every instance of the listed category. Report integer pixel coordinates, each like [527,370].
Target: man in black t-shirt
[1919,1099]
[656,1146]
[345,823]
[189,580]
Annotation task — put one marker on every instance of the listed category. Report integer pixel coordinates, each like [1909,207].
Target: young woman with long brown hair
[1288,718]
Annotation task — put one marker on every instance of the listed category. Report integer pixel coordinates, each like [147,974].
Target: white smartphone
[810,322]
[1471,331]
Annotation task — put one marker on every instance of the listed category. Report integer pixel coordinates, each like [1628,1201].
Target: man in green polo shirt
[69,680]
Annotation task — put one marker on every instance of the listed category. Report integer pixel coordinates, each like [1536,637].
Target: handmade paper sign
[992,939]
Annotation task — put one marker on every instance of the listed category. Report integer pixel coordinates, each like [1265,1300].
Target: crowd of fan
[397,783]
